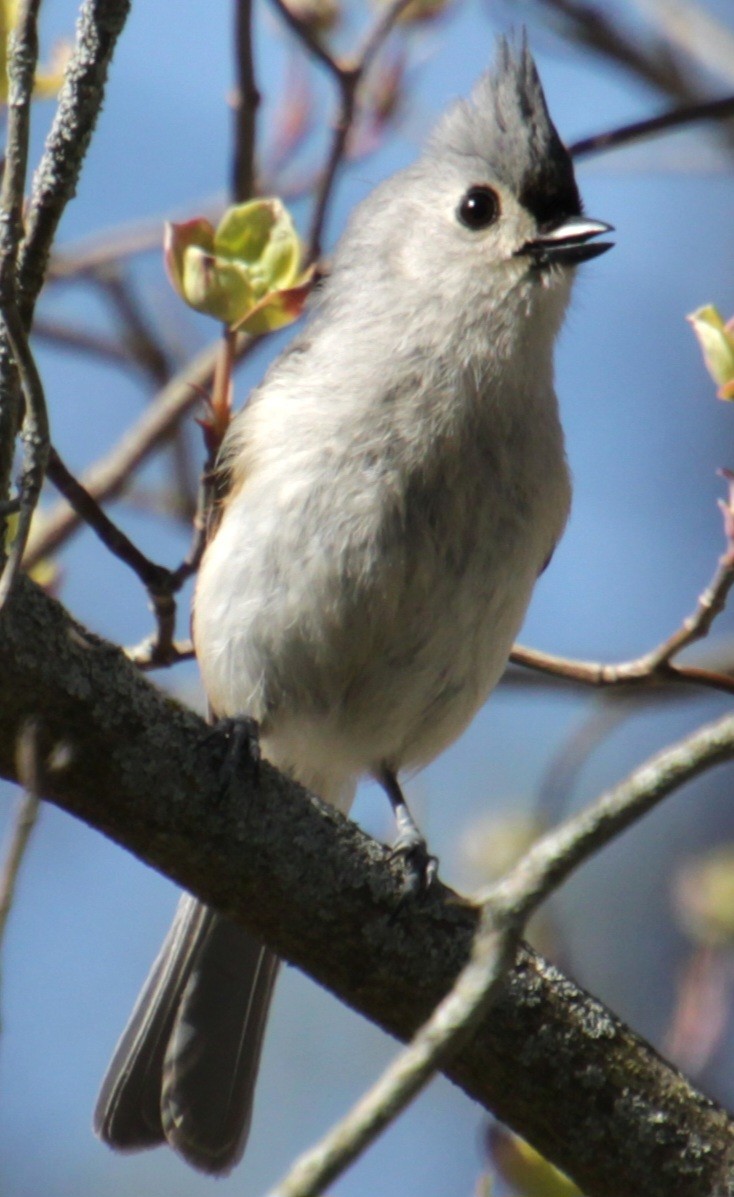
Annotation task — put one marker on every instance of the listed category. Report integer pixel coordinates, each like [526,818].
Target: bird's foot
[420,865]
[240,738]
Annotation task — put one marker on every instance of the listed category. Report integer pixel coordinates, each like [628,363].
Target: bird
[392,490]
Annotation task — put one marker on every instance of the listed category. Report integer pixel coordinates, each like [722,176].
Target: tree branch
[109,476]
[23,823]
[54,184]
[80,101]
[246,102]
[677,118]
[657,665]
[550,1061]
[22,60]
[348,74]
[506,907]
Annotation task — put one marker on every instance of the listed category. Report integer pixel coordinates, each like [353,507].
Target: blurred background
[646,436]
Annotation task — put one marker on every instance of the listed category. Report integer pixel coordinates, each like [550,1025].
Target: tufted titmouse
[395,486]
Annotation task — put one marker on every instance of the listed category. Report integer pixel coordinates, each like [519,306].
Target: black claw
[241,738]
[421,866]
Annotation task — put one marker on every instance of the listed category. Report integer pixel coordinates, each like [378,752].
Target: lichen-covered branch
[550,1060]
[57,175]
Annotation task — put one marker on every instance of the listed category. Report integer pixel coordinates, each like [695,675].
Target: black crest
[505,124]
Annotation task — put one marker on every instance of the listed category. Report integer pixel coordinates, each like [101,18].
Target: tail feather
[186,1064]
[213,1056]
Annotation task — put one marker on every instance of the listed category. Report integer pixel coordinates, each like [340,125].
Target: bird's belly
[346,675]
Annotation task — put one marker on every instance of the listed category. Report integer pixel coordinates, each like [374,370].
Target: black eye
[479,208]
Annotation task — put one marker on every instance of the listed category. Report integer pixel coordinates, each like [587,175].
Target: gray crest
[506,124]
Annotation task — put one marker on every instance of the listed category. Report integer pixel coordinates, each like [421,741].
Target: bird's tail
[186,1065]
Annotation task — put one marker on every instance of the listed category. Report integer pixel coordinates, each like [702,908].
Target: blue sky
[645,437]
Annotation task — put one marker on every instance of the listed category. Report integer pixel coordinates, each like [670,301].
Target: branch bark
[550,1060]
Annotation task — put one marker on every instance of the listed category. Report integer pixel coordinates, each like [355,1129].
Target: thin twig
[131,239]
[348,83]
[707,110]
[23,822]
[36,442]
[379,33]
[80,101]
[506,907]
[624,673]
[109,476]
[657,665]
[245,105]
[22,61]
[154,577]
[308,37]
[348,73]
[152,357]
[451,1023]
[54,184]
[161,583]
[138,337]
[595,28]
[81,340]
[560,851]
[696,32]
[348,77]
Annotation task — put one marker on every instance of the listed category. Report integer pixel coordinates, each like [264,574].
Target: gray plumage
[506,125]
[396,485]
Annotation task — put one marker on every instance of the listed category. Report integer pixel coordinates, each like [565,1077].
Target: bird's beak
[569,243]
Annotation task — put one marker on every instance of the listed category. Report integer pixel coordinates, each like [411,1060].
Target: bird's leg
[241,737]
[420,865]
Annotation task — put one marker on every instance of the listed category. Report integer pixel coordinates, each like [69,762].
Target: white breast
[360,600]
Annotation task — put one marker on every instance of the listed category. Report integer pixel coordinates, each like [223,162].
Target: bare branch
[36,441]
[379,33]
[23,57]
[153,359]
[139,337]
[23,823]
[696,31]
[162,584]
[625,673]
[451,1024]
[707,110]
[596,28]
[308,37]
[140,768]
[55,180]
[81,340]
[348,77]
[54,184]
[656,666]
[348,74]
[109,476]
[507,905]
[87,255]
[245,104]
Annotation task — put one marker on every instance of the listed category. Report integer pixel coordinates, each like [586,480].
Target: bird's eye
[479,208]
